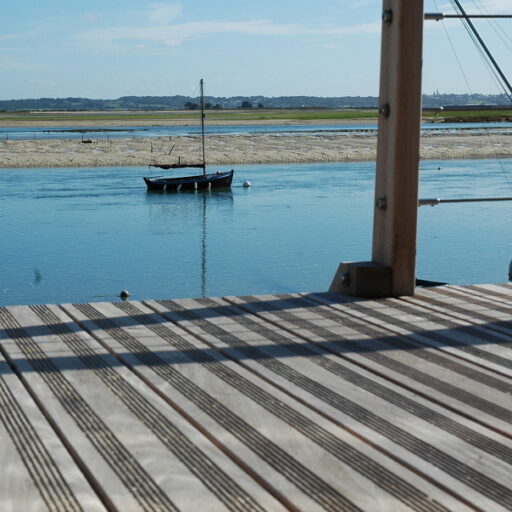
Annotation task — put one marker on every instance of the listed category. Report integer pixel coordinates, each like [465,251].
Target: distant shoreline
[261,148]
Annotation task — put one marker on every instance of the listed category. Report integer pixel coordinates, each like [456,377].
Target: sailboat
[196,182]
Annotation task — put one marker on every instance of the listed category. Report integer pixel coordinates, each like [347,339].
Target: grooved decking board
[458,337]
[283,440]
[472,390]
[144,455]
[260,403]
[313,375]
[38,473]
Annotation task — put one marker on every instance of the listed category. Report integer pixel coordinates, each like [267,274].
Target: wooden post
[392,269]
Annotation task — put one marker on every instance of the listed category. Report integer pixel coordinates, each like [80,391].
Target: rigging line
[487,59]
[454,52]
[498,29]
[500,163]
[197,152]
[492,71]
[494,25]
[491,142]
[488,133]
[480,40]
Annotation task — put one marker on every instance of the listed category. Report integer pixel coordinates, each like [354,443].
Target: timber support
[391,273]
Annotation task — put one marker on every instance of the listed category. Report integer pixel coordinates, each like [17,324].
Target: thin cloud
[21,36]
[176,34]
[89,16]
[163,14]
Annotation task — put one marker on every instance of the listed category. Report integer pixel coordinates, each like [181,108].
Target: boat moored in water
[184,183]
[198,182]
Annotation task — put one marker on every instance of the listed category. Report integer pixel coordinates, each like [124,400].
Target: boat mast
[202,124]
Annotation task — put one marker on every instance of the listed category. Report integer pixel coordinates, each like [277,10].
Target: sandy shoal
[239,149]
[109,123]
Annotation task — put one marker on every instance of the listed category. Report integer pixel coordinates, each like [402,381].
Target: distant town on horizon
[179,102]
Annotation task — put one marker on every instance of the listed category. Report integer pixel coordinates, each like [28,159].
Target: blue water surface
[101,133]
[72,235]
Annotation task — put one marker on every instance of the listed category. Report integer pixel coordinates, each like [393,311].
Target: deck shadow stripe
[396,342]
[443,338]
[45,474]
[469,299]
[413,346]
[343,451]
[436,457]
[209,473]
[491,293]
[146,492]
[408,405]
[272,454]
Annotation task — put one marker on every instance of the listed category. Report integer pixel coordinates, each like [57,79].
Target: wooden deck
[267,403]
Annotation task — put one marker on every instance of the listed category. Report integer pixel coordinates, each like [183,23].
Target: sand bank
[120,122]
[239,149]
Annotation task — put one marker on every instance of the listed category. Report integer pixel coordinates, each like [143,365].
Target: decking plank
[470,342]
[499,293]
[38,473]
[471,390]
[472,327]
[117,425]
[289,402]
[273,424]
[474,308]
[319,388]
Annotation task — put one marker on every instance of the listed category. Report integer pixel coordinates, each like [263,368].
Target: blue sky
[112,48]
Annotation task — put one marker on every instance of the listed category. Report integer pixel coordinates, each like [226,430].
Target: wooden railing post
[392,269]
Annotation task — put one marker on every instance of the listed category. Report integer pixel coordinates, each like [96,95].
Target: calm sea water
[95,132]
[87,234]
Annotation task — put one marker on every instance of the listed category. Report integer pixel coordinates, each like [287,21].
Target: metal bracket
[384,110]
[387,16]
[382,202]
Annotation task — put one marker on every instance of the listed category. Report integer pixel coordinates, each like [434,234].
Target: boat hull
[190,183]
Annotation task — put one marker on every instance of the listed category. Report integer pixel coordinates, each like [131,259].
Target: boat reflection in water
[192,211]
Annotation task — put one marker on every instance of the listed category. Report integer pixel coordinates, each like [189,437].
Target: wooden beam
[396,188]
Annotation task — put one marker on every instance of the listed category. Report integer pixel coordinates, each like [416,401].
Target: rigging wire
[470,28]
[454,52]
[486,131]
[494,75]
[497,28]
[198,150]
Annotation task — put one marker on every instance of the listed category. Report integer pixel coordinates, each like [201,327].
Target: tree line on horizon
[245,102]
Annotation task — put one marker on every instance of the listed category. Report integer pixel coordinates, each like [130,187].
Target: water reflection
[78,235]
[172,214]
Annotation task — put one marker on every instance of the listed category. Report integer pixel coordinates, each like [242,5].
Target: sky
[113,48]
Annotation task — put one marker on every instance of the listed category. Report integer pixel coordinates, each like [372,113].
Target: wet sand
[239,149]
[166,121]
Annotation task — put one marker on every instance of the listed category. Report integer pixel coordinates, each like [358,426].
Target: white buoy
[124,294]
[246,183]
